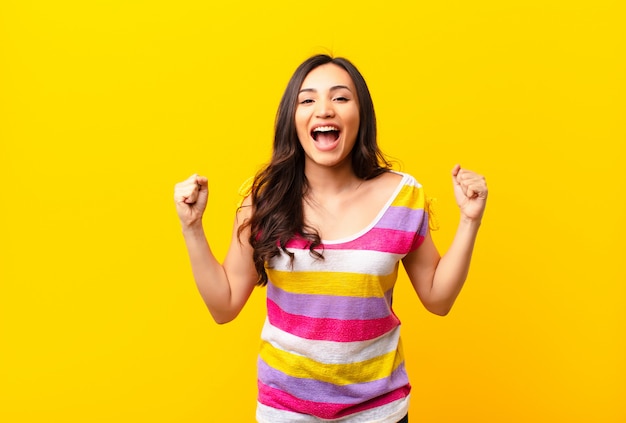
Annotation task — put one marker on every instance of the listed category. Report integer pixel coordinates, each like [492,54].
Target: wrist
[470,222]
[192,227]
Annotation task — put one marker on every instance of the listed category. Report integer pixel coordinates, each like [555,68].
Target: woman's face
[327,116]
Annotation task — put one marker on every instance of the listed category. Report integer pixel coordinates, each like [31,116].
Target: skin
[338,204]
[327,98]
[438,281]
[224,287]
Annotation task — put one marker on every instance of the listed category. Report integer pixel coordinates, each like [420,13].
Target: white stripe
[409,180]
[330,352]
[388,413]
[349,261]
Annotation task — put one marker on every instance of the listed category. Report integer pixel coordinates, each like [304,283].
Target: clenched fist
[191,198]
[470,190]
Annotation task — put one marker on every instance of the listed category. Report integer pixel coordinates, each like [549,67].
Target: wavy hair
[279,188]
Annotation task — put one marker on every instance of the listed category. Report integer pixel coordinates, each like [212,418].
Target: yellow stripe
[410,195]
[333,283]
[245,190]
[338,374]
[433,220]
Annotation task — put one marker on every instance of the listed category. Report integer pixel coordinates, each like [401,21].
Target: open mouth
[325,134]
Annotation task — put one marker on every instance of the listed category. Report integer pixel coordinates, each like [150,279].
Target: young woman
[324,228]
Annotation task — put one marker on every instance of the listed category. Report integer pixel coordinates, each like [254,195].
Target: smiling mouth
[325,134]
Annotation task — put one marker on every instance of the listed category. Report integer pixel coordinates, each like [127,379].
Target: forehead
[327,76]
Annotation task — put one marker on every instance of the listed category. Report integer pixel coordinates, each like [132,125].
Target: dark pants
[405,419]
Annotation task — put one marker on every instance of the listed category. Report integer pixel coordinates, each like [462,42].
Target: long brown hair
[278,189]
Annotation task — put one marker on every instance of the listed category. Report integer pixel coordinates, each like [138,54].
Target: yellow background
[104,105]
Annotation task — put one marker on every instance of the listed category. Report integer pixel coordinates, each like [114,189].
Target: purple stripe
[318,391]
[424,227]
[402,219]
[325,306]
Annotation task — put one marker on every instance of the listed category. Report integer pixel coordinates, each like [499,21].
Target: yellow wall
[104,105]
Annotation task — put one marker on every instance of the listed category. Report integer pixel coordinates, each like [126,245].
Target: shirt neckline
[376,219]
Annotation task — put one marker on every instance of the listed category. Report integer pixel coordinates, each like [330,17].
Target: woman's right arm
[224,287]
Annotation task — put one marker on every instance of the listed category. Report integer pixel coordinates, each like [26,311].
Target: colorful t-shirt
[331,347]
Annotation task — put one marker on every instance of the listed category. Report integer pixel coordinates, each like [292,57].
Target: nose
[324,109]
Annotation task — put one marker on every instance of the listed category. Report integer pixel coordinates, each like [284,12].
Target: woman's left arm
[438,280]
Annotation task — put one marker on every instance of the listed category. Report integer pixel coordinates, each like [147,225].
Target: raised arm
[224,287]
[438,280]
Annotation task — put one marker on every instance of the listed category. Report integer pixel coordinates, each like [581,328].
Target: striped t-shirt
[331,348]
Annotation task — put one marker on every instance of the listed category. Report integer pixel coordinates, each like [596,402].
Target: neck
[324,180]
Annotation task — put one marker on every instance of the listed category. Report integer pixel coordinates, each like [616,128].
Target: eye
[342,99]
[306,101]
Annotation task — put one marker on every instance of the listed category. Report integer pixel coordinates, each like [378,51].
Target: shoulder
[409,192]
[387,180]
[244,206]
[393,188]
[406,178]
[378,190]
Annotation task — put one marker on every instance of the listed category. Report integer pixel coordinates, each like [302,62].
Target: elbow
[222,318]
[441,305]
[440,312]
[221,321]
[439,309]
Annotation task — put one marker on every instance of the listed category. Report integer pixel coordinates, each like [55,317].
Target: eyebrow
[333,88]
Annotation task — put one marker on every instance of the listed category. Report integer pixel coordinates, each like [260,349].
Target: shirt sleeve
[245,190]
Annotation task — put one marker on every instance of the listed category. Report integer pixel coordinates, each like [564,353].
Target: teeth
[325,129]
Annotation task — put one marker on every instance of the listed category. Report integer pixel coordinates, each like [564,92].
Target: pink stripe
[278,399]
[329,329]
[376,239]
[417,242]
[298,243]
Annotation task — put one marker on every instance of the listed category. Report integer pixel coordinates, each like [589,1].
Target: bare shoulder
[390,179]
[384,184]
[244,211]
[246,203]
